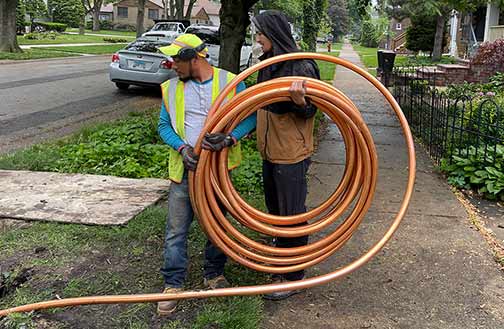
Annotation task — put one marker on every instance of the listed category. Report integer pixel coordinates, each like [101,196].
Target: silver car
[141,63]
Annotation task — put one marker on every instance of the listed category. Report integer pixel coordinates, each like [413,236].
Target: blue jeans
[180,215]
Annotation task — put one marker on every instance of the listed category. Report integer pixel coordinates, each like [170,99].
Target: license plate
[138,65]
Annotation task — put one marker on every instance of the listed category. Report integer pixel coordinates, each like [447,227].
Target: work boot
[280,295]
[168,308]
[216,283]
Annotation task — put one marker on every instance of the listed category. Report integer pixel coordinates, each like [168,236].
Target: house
[397,37]
[469,30]
[125,12]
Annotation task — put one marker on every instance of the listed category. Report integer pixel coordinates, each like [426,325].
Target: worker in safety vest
[184,110]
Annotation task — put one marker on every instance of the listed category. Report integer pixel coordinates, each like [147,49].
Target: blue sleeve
[166,131]
[247,125]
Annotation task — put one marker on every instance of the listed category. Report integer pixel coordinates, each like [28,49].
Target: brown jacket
[284,138]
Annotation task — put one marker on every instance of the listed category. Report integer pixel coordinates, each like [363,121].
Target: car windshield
[210,37]
[144,45]
[165,27]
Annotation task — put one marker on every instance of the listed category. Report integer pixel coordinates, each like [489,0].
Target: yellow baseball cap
[183,41]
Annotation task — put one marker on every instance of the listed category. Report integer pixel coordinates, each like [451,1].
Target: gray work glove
[190,159]
[216,141]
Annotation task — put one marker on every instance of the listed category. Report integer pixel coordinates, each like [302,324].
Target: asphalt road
[43,100]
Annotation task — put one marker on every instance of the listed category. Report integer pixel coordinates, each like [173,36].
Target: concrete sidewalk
[436,272]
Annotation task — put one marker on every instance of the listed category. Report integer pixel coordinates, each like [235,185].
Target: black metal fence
[448,125]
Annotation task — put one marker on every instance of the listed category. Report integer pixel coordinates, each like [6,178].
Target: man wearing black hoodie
[284,132]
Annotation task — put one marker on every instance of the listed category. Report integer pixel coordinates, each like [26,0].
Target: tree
[140,18]
[420,35]
[293,9]
[339,16]
[8,38]
[313,11]
[69,12]
[35,8]
[234,18]
[93,7]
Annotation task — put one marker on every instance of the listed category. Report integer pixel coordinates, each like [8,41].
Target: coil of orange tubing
[211,182]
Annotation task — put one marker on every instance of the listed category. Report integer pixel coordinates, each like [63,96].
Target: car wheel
[122,85]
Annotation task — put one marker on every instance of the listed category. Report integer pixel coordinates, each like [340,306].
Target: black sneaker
[280,295]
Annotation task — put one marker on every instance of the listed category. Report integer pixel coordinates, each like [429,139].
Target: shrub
[368,35]
[420,35]
[104,25]
[48,26]
[41,36]
[124,27]
[475,170]
[115,40]
[491,53]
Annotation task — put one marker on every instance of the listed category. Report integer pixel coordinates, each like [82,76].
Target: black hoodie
[274,25]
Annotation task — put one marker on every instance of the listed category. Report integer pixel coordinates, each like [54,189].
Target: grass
[34,54]
[79,260]
[370,59]
[334,46]
[95,50]
[327,69]
[65,38]
[106,32]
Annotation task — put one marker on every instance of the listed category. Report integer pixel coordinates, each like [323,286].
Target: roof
[158,3]
[212,8]
[109,8]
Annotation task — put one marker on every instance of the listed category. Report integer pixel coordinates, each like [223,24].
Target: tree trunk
[140,18]
[8,38]
[234,20]
[82,24]
[172,9]
[96,14]
[189,9]
[310,25]
[179,6]
[438,38]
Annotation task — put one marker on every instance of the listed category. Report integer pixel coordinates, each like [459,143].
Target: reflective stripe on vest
[175,106]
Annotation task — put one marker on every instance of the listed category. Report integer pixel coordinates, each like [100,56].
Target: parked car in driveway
[141,63]
[210,34]
[165,30]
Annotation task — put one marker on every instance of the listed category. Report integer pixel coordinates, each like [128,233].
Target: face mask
[257,50]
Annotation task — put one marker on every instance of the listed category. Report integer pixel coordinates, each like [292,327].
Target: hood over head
[274,25]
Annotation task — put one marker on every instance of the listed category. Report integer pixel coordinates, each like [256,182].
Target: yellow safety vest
[175,106]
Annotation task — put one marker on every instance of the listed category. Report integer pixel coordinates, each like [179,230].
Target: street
[43,100]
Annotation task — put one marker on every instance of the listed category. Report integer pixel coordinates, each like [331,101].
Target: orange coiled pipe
[211,183]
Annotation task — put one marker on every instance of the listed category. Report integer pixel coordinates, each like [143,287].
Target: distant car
[141,63]
[210,35]
[165,30]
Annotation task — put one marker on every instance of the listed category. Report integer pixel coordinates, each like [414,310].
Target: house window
[122,12]
[153,13]
[398,26]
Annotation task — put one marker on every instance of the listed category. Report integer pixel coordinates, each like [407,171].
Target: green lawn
[95,50]
[370,59]
[334,46]
[80,260]
[327,69]
[34,54]
[65,38]
[110,32]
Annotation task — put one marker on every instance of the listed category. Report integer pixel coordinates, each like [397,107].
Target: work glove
[189,158]
[216,141]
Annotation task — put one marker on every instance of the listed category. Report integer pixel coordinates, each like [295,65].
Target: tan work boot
[168,308]
[216,283]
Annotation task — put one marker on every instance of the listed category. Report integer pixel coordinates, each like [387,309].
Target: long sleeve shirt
[198,102]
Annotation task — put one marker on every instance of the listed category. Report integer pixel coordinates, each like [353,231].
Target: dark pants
[180,215]
[285,192]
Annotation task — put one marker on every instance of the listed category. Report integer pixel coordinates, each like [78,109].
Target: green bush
[124,27]
[420,35]
[48,26]
[115,40]
[473,169]
[41,36]
[369,36]
[66,11]
[104,25]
